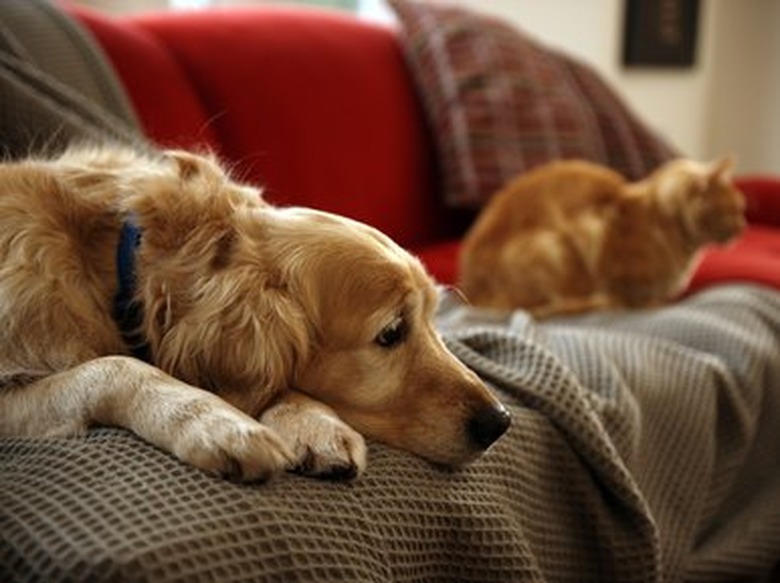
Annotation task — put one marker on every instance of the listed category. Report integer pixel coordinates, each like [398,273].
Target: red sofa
[321,109]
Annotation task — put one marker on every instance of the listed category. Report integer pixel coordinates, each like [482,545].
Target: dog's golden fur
[319,326]
[574,236]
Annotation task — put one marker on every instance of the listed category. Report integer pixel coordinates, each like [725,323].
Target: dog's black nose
[488,425]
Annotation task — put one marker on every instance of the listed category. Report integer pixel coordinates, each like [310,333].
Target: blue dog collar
[128,311]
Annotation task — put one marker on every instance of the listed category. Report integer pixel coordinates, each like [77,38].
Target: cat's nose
[488,424]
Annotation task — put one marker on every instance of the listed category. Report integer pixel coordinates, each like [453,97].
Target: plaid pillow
[499,103]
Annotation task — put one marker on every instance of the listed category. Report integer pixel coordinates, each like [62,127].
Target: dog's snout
[488,425]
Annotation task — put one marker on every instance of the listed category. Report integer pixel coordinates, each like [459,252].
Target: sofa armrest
[762,194]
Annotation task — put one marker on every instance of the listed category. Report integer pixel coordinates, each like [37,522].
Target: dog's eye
[392,334]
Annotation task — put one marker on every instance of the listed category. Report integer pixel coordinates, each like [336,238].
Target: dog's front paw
[323,446]
[331,449]
[225,442]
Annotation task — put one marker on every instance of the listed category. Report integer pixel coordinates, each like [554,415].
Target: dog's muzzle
[488,425]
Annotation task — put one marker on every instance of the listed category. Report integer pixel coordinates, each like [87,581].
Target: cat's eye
[392,334]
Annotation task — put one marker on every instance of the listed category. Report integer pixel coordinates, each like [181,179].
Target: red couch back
[316,106]
[319,108]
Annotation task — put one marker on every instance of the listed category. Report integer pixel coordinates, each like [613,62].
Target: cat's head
[704,196]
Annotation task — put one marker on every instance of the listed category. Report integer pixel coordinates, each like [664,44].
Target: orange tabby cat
[574,236]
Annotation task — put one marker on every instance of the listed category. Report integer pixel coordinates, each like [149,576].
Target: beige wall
[744,104]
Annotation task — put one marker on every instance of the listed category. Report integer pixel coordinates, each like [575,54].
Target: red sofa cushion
[332,122]
[170,112]
[763,199]
[441,259]
[754,257]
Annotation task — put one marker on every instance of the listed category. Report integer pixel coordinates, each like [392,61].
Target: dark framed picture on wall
[660,33]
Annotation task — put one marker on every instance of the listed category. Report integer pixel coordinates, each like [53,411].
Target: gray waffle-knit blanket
[644,447]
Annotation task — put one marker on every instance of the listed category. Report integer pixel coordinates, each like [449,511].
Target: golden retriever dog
[157,294]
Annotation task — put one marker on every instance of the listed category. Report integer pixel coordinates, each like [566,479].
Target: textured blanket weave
[644,448]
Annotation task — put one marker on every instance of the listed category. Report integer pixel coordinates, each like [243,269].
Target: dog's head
[375,356]
[270,298]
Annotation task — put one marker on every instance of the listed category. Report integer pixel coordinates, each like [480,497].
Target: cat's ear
[721,171]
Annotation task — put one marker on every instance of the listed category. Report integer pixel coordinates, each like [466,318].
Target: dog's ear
[188,165]
[241,342]
[186,200]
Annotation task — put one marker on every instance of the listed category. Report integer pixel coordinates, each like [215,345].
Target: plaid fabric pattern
[499,103]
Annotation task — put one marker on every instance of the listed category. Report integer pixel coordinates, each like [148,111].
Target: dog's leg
[322,444]
[196,426]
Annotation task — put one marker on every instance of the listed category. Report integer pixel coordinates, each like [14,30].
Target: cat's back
[557,191]
[564,185]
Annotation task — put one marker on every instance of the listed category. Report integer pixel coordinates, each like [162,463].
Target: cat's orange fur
[574,236]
